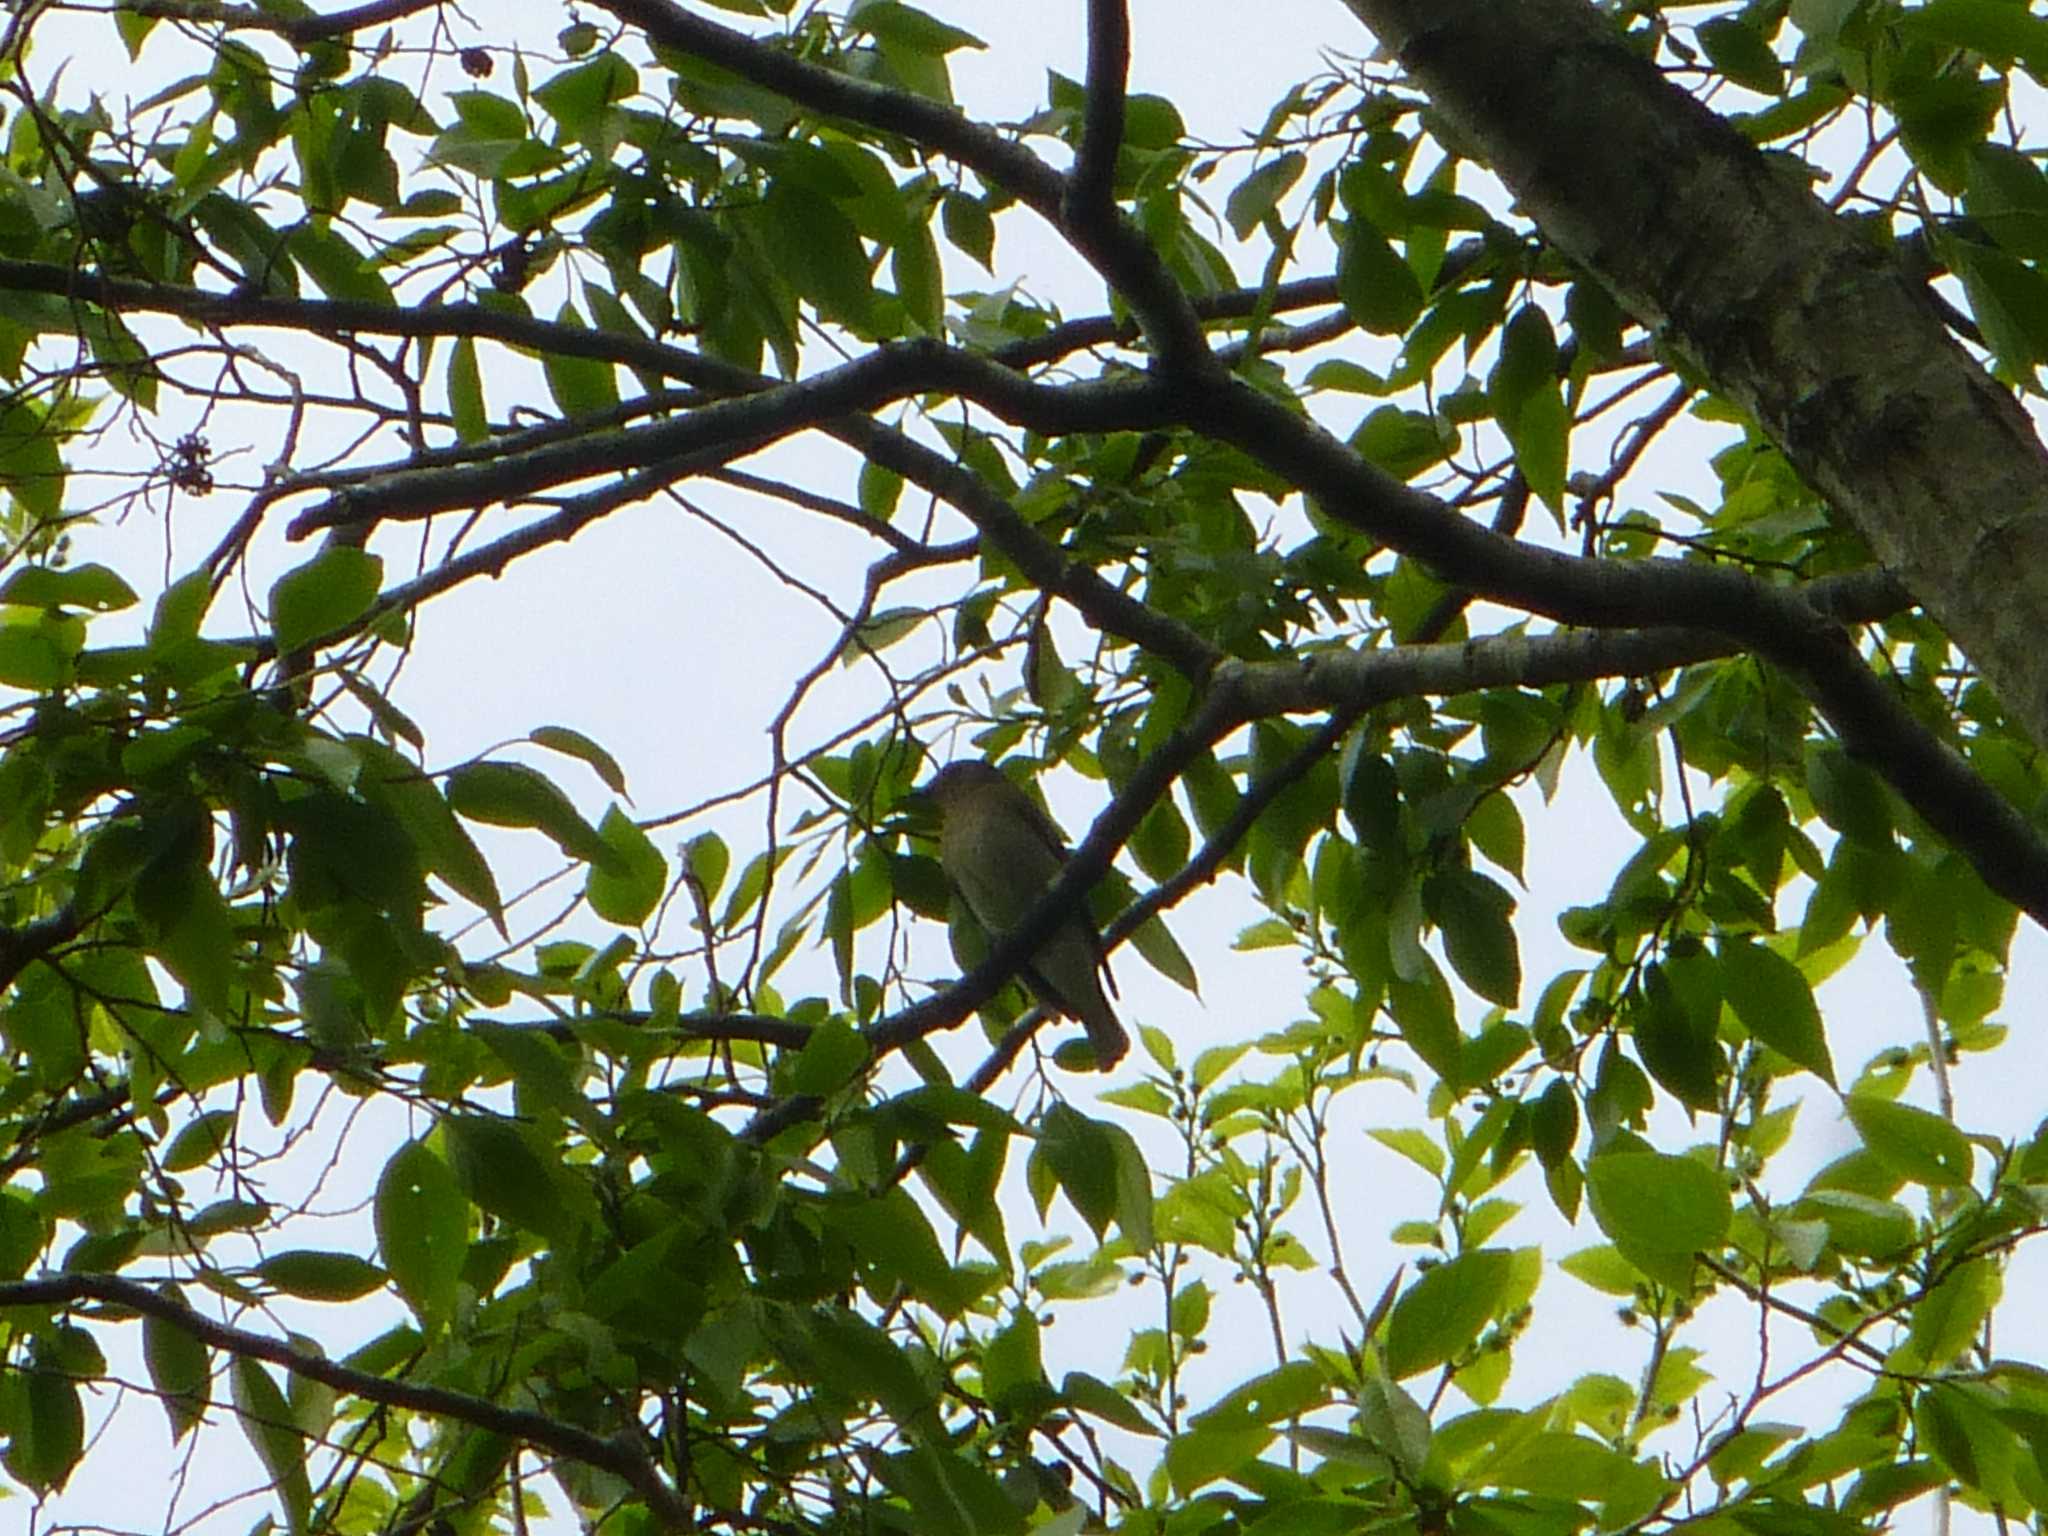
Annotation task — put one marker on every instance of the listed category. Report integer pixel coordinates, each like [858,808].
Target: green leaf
[709,859]
[914,263]
[1950,1318]
[327,593]
[1402,442]
[33,658]
[1083,1156]
[1427,1017]
[1849,796]
[1554,1123]
[1660,1210]
[948,1494]
[422,1231]
[970,226]
[878,631]
[578,97]
[88,586]
[1560,1465]
[1771,997]
[1913,1142]
[541,1072]
[1213,1449]
[1677,1046]
[341,271]
[818,251]
[1542,442]
[1604,1268]
[201,1141]
[1090,1394]
[855,1358]
[2008,196]
[1739,49]
[314,1275]
[1473,914]
[134,30]
[505,1173]
[1886,1486]
[189,927]
[829,1060]
[626,897]
[1254,197]
[179,1367]
[1993,27]
[1942,119]
[1527,362]
[880,489]
[1394,1423]
[179,611]
[1158,948]
[23,1235]
[47,1435]
[1961,1426]
[894,1238]
[266,1418]
[2009,300]
[466,392]
[1012,1370]
[579,385]
[443,845]
[1860,1226]
[1440,1315]
[123,360]
[31,465]
[560,738]
[513,795]
[1377,286]
[892,21]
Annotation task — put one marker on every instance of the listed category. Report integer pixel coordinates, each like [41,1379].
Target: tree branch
[738,426]
[1775,621]
[22,947]
[1001,162]
[1091,185]
[297,29]
[618,1456]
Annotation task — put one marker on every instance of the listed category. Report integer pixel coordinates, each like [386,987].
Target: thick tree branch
[1091,185]
[1774,621]
[337,318]
[735,427]
[1108,608]
[22,947]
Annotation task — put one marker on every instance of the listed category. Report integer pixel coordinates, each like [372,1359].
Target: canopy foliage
[1626,392]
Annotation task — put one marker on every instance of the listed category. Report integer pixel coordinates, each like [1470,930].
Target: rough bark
[1838,354]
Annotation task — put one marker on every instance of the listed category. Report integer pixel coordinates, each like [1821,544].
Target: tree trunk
[1786,308]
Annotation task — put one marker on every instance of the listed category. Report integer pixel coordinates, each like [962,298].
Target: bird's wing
[1047,829]
[1049,833]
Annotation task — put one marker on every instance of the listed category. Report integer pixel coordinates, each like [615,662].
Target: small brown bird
[1001,853]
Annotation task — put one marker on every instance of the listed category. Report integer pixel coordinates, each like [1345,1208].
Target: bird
[1001,853]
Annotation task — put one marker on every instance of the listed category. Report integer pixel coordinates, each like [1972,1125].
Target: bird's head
[959,782]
